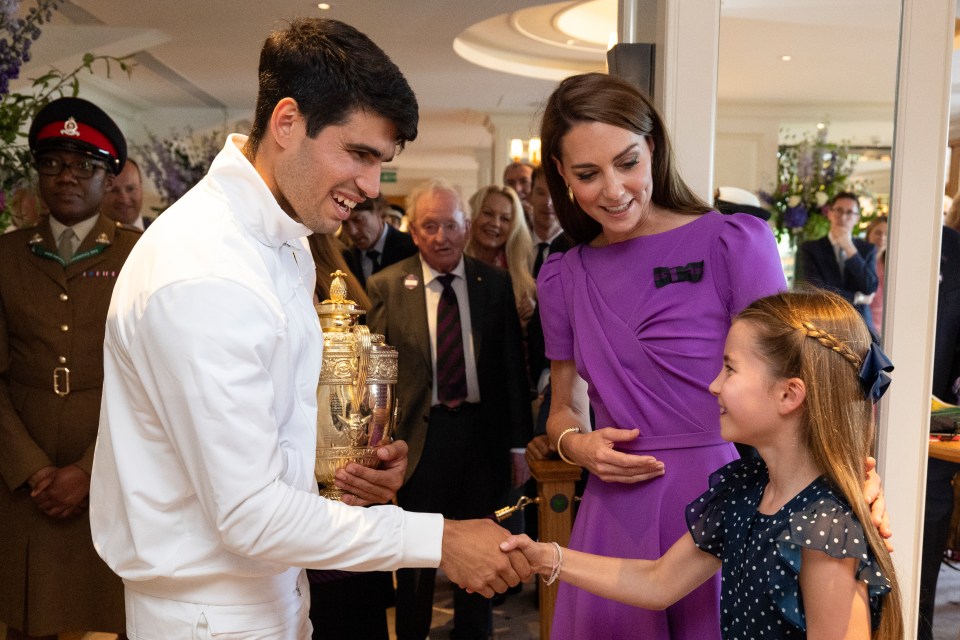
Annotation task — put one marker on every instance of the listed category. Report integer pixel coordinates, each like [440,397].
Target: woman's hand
[873,492]
[595,451]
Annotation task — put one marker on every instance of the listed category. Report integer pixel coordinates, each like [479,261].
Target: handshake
[473,557]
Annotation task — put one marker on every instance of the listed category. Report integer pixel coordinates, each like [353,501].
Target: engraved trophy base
[329,459]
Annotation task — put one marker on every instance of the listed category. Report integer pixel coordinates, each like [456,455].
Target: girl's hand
[595,451]
[539,555]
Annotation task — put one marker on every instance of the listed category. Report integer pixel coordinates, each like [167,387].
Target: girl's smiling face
[746,390]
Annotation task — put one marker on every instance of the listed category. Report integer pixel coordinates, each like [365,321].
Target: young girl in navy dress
[799,378]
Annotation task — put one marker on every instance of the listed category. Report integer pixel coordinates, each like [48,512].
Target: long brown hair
[328,256]
[820,338]
[596,97]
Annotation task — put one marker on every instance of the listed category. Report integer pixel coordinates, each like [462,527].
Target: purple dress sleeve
[747,251]
[557,327]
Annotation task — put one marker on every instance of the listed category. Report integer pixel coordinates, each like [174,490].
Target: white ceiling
[197,59]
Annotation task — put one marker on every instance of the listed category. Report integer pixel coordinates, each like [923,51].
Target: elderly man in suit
[55,285]
[838,261]
[462,388]
[375,244]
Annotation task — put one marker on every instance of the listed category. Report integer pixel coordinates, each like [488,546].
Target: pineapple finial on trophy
[338,289]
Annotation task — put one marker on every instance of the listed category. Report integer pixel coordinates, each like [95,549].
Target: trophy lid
[338,313]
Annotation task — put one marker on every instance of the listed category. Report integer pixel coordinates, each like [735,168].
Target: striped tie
[451,366]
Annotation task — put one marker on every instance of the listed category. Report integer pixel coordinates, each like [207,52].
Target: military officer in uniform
[56,280]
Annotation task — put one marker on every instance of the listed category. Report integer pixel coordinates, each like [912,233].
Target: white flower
[793,201]
[821,198]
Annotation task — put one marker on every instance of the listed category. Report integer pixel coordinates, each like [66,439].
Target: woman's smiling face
[609,170]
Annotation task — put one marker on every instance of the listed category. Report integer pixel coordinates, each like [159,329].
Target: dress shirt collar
[538,240]
[82,228]
[254,204]
[381,241]
[430,274]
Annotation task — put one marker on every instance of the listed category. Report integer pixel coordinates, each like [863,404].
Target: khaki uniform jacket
[52,320]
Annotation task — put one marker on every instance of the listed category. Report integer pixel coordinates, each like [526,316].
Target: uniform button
[64,328]
[62,359]
[64,297]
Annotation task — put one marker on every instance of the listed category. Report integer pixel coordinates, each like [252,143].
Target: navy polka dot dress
[760,594]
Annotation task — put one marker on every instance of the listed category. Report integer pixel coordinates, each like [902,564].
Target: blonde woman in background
[499,237]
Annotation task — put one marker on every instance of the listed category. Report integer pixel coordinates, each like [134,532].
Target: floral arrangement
[177,163]
[810,171]
[18,109]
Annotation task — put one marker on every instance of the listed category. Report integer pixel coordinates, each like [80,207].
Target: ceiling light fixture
[786,58]
[323,6]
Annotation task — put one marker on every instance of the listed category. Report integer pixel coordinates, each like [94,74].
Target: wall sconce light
[516,149]
[532,154]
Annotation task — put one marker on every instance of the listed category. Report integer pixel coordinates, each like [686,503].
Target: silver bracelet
[555,571]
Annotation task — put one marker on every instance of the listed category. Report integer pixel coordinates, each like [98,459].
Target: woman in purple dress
[634,319]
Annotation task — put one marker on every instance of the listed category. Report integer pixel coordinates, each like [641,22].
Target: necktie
[374,256]
[66,245]
[538,262]
[451,365]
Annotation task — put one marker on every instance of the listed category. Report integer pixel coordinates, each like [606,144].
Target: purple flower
[795,217]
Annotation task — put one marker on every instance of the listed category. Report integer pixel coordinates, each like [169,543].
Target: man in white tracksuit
[203,497]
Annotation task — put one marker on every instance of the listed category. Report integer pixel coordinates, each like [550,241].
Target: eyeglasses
[81,169]
[840,211]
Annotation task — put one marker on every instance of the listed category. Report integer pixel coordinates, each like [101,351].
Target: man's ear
[791,394]
[285,122]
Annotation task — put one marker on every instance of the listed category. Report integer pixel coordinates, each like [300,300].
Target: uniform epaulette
[128,227]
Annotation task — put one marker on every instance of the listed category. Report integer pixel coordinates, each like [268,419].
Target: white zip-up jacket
[202,486]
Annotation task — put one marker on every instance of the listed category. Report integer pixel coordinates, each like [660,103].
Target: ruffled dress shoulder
[761,554]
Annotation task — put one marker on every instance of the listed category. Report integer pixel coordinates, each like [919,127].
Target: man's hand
[66,495]
[539,448]
[40,480]
[364,486]
[519,468]
[471,557]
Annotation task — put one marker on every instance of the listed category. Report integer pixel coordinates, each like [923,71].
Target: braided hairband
[871,370]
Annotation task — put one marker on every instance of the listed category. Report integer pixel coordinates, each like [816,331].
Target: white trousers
[153,618]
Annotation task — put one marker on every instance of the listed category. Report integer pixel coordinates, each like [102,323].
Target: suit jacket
[946,354]
[397,246]
[400,314]
[817,265]
[53,316]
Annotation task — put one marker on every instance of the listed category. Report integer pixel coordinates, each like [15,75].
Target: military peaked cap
[79,125]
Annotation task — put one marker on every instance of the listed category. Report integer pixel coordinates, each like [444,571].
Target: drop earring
[570,193]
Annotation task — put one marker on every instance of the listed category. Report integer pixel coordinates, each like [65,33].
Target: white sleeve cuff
[422,539]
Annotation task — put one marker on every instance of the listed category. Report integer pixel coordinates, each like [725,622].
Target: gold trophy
[357,408]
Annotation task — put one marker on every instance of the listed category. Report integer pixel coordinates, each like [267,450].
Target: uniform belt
[61,380]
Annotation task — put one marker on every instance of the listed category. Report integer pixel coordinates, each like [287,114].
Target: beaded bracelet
[555,571]
[560,440]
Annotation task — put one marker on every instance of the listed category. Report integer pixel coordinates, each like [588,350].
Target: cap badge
[70,127]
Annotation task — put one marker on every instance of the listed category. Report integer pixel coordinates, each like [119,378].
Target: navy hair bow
[873,377]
